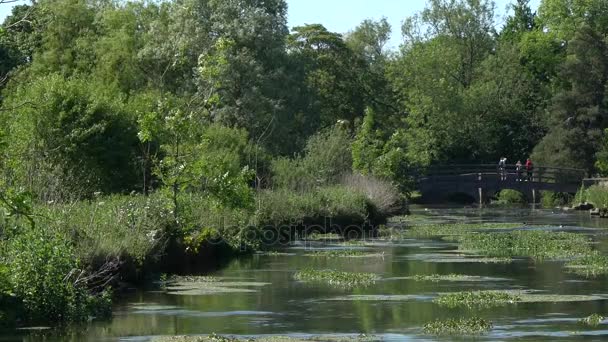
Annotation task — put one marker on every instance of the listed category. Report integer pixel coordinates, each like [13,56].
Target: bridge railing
[544,174]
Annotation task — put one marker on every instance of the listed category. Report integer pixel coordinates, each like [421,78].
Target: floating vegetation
[553,298]
[354,243]
[450,277]
[491,298]
[345,254]
[590,265]
[592,320]
[274,253]
[462,326]
[150,307]
[439,230]
[220,338]
[381,298]
[337,278]
[197,285]
[466,259]
[482,299]
[530,243]
[323,237]
[192,279]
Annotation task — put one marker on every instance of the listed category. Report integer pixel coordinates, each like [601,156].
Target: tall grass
[112,227]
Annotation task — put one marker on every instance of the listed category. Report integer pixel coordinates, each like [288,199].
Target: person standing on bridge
[518,168]
[529,169]
[502,165]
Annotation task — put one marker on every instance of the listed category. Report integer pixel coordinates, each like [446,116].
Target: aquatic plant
[323,237]
[438,230]
[337,278]
[483,299]
[344,254]
[354,243]
[461,326]
[222,338]
[531,243]
[592,320]
[589,265]
[192,279]
[443,277]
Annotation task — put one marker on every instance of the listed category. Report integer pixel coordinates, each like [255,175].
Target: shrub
[550,199]
[327,157]
[598,196]
[45,274]
[381,194]
[508,196]
[77,136]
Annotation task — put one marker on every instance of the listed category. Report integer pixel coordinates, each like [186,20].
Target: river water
[267,300]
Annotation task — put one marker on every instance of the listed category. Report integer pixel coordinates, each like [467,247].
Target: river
[266,300]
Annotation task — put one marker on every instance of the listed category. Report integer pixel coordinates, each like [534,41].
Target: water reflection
[395,308]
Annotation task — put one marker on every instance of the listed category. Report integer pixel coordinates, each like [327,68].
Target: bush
[46,275]
[77,138]
[381,194]
[550,199]
[508,196]
[327,157]
[598,196]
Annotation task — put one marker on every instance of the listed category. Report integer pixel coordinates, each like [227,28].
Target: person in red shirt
[529,169]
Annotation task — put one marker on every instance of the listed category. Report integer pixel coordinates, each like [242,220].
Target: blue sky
[343,15]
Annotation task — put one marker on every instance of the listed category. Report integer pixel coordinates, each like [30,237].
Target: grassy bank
[60,262]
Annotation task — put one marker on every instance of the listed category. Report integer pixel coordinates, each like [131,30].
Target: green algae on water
[204,285]
[592,320]
[221,338]
[591,265]
[439,230]
[527,243]
[461,326]
[345,254]
[470,299]
[323,237]
[449,277]
[337,278]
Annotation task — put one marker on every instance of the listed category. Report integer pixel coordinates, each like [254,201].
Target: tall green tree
[578,113]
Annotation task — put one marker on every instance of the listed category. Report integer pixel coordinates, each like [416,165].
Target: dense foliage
[130,126]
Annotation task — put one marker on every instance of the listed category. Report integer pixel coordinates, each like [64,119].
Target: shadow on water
[258,295]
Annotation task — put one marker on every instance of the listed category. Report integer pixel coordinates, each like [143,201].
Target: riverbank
[62,262]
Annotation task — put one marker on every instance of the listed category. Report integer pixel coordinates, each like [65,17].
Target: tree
[578,114]
[522,21]
[240,70]
[332,72]
[19,38]
[69,137]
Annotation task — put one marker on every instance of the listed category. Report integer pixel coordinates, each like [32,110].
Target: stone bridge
[483,181]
